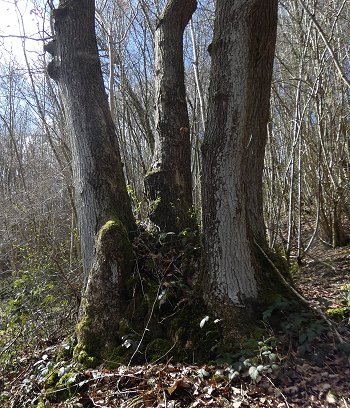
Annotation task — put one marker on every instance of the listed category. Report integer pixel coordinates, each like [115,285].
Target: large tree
[103,206]
[233,152]
[169,183]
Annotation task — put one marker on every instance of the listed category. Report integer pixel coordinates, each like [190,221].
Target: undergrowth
[166,320]
[38,303]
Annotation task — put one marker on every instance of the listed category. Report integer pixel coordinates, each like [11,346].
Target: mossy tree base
[169,208]
[104,300]
[163,313]
[275,289]
[158,314]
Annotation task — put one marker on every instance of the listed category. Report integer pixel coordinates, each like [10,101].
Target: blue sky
[10,25]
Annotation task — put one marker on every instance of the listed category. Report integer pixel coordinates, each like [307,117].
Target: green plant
[38,301]
[345,290]
[257,359]
[299,324]
[279,306]
[137,204]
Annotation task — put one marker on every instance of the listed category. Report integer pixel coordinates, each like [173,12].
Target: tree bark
[103,206]
[169,183]
[233,150]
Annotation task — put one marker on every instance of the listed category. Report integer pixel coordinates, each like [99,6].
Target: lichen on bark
[102,306]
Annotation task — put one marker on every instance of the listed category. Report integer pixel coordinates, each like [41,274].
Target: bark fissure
[103,205]
[242,55]
[169,183]
[97,168]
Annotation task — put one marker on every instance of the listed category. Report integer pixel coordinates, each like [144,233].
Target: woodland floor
[317,378]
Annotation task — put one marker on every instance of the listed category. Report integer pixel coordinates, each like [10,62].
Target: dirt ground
[317,376]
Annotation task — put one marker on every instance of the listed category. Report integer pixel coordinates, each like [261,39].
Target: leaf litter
[319,378]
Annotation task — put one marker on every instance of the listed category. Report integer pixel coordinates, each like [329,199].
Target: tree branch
[326,42]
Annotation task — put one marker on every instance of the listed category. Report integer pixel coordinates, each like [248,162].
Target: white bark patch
[233,147]
[231,257]
[115,273]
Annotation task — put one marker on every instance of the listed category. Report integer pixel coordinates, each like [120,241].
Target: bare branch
[326,42]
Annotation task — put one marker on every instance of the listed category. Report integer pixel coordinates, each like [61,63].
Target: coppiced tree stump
[103,303]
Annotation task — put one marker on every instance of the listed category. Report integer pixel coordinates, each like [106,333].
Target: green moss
[154,204]
[338,313]
[294,269]
[115,223]
[86,360]
[87,345]
[66,387]
[51,378]
[67,380]
[123,243]
[65,350]
[57,395]
[218,377]
[69,384]
[116,356]
[82,357]
[112,242]
[158,349]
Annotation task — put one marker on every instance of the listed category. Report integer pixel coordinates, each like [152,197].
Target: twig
[76,294]
[335,59]
[167,352]
[302,299]
[165,400]
[334,268]
[146,327]
[25,37]
[10,344]
[283,396]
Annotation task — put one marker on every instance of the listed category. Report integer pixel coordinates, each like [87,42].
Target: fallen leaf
[331,398]
[178,384]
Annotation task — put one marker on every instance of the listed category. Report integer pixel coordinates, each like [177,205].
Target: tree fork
[169,183]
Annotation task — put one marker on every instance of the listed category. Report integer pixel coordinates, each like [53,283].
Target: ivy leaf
[254,374]
[202,372]
[247,363]
[233,374]
[203,321]
[273,357]
[127,343]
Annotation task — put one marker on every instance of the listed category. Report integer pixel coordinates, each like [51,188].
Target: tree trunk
[233,152]
[102,202]
[169,183]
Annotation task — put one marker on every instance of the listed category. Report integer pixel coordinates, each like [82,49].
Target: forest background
[307,162]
